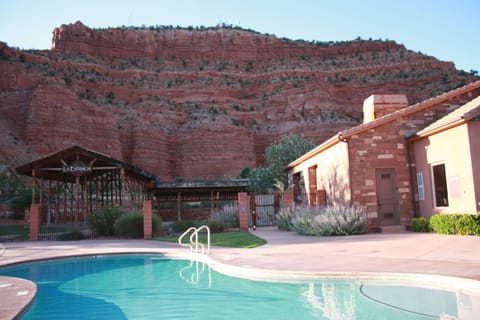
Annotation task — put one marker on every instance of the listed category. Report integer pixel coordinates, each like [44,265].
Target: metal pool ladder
[193,244]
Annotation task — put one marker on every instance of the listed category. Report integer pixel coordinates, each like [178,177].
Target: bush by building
[71,235]
[102,221]
[420,225]
[182,226]
[228,215]
[462,224]
[131,225]
[324,221]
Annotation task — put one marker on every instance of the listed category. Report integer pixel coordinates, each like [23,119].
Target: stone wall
[386,146]
[195,103]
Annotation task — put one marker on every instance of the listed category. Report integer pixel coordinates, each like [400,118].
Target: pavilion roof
[58,165]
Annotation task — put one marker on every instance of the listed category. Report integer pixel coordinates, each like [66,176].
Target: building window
[421,190]
[440,185]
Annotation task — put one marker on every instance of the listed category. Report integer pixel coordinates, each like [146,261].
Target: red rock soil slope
[196,102]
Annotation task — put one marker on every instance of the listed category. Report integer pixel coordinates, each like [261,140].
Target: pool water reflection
[155,287]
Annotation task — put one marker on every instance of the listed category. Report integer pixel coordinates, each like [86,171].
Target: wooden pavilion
[70,184]
[210,192]
[75,181]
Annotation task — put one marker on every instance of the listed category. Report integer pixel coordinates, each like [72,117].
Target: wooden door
[387,197]
[312,185]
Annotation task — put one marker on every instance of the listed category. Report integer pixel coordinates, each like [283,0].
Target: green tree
[277,156]
[14,192]
[10,184]
[23,200]
[245,173]
[261,180]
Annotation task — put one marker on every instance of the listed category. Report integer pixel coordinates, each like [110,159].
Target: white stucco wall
[332,173]
[453,148]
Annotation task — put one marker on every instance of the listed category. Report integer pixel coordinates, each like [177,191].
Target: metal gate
[263,209]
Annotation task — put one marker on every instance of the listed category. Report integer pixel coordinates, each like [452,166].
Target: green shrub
[284,218]
[101,221]
[463,224]
[181,226]
[443,224]
[420,225]
[330,221]
[71,235]
[468,224]
[228,215]
[131,225]
[216,226]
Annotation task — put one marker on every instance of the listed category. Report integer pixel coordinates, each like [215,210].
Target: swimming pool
[156,287]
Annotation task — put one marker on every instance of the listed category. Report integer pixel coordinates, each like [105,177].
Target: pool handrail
[183,235]
[193,231]
[208,237]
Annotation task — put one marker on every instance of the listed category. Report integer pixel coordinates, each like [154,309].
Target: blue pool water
[154,287]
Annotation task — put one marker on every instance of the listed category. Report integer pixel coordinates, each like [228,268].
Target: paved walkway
[288,253]
[405,252]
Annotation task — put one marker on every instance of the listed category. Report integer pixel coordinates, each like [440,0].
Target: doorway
[387,197]
[312,185]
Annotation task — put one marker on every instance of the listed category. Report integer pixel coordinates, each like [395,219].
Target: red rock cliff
[199,102]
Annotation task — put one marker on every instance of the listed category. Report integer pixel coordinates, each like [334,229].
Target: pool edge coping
[442,282]
[434,281]
[20,295]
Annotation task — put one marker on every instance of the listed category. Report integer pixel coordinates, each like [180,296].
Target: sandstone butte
[196,102]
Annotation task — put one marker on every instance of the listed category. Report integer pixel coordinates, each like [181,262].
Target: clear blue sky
[446,29]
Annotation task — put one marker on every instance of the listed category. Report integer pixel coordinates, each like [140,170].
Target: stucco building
[394,162]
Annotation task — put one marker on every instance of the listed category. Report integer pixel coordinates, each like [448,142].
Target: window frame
[435,188]
[420,186]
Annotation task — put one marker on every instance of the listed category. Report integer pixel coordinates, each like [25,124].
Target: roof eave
[423,134]
[320,148]
[411,109]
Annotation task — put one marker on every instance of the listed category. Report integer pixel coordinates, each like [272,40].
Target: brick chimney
[378,105]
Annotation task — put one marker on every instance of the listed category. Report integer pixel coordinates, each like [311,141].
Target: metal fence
[15,226]
[263,209]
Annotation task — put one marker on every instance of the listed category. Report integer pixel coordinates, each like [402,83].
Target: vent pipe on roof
[378,105]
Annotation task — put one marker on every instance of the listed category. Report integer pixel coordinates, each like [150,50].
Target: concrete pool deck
[389,252]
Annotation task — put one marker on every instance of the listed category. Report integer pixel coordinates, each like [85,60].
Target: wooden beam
[179,206]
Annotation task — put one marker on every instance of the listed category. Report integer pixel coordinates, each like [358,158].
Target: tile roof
[460,115]
[409,110]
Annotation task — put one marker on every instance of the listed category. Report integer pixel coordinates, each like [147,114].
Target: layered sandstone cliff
[196,102]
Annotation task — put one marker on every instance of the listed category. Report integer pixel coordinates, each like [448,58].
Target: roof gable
[55,166]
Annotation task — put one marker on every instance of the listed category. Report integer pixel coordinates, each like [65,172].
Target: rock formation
[196,102]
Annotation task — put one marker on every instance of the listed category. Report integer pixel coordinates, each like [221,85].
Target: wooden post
[76,195]
[33,186]
[179,206]
[85,198]
[253,207]
[57,201]
[212,203]
[41,190]
[243,210]
[65,201]
[49,200]
[147,219]
[122,181]
[35,220]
